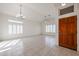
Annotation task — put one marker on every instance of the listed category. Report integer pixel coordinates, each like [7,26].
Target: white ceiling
[32,11]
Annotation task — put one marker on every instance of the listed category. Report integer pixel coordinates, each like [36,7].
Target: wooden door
[68,32]
[72,32]
[62,32]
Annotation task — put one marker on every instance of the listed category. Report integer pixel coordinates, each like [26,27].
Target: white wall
[30,28]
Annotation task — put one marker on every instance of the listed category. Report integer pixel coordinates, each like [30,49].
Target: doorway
[68,32]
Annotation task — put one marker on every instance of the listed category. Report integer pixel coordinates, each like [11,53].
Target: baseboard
[21,37]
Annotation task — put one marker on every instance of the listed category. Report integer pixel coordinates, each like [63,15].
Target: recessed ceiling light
[63,4]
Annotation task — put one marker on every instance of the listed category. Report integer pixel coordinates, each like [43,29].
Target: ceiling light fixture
[63,4]
[20,15]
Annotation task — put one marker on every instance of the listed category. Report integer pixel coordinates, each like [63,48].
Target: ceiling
[32,11]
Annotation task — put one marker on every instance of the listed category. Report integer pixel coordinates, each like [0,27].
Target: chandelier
[20,15]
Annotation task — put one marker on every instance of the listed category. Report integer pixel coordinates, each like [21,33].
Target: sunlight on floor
[10,46]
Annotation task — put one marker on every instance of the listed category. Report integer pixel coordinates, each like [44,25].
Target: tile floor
[34,46]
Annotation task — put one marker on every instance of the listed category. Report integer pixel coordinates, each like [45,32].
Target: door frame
[76,33]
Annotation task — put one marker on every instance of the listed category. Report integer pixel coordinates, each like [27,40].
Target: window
[54,28]
[21,29]
[15,27]
[51,28]
[18,29]
[10,28]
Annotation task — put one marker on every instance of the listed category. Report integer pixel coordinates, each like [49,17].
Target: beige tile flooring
[34,46]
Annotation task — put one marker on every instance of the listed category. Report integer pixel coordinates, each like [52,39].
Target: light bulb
[63,4]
